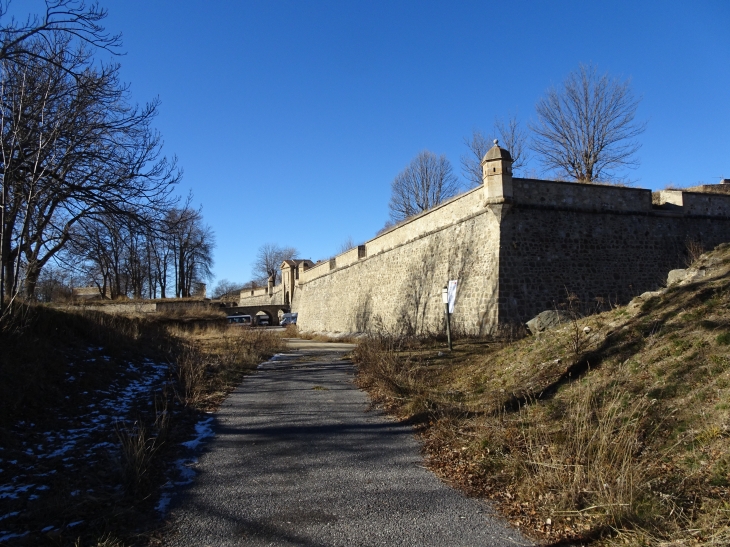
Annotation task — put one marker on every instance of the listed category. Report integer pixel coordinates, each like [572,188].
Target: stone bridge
[272,311]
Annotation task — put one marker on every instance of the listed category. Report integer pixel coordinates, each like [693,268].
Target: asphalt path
[299,458]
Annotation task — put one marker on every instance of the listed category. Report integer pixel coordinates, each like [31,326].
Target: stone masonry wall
[397,286]
[261,297]
[514,257]
[548,254]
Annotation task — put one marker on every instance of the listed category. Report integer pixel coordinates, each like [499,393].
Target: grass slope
[613,429]
[93,410]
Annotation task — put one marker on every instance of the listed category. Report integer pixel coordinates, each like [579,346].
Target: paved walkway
[299,460]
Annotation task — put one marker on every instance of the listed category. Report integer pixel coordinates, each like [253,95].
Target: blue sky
[291,118]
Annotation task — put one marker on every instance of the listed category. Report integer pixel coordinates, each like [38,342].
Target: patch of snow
[11,535]
[8,515]
[51,472]
[11,491]
[185,472]
[61,451]
[164,503]
[204,430]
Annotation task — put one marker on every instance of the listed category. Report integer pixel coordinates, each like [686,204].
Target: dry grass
[695,250]
[115,495]
[621,437]
[216,357]
[322,337]
[138,450]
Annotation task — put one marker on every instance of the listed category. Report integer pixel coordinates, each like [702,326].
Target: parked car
[288,319]
[262,320]
[240,319]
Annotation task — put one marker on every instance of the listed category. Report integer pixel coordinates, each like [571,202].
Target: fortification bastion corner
[517,246]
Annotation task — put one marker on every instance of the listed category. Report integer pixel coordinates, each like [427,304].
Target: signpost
[448,295]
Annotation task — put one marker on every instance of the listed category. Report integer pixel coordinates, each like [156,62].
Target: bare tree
[346,245]
[71,148]
[511,136]
[192,245]
[471,162]
[427,181]
[227,288]
[268,262]
[55,284]
[585,129]
[514,138]
[387,226]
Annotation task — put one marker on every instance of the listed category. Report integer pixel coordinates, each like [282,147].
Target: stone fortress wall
[606,246]
[517,247]
[263,296]
[395,284]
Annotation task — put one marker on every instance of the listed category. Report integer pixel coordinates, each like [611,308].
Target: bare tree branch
[227,288]
[346,245]
[71,17]
[513,138]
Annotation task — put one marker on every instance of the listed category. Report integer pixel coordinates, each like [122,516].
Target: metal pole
[445,299]
[448,326]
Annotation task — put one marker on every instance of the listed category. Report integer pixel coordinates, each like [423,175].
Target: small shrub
[190,368]
[138,449]
[694,249]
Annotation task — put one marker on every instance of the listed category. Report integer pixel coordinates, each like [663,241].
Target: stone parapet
[706,204]
[577,196]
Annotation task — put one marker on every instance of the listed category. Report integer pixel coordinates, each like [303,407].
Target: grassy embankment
[57,366]
[612,430]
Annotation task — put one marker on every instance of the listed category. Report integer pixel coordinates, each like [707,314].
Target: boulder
[675,276]
[683,277]
[547,320]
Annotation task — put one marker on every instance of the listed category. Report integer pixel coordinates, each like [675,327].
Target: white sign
[452,294]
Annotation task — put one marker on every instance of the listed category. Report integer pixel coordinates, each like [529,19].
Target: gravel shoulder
[299,458]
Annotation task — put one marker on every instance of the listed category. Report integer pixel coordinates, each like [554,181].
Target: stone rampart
[517,247]
[599,258]
[399,288]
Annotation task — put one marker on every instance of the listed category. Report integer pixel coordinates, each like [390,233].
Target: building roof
[496,152]
[296,261]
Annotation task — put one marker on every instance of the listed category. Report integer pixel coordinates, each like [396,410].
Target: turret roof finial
[496,142]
